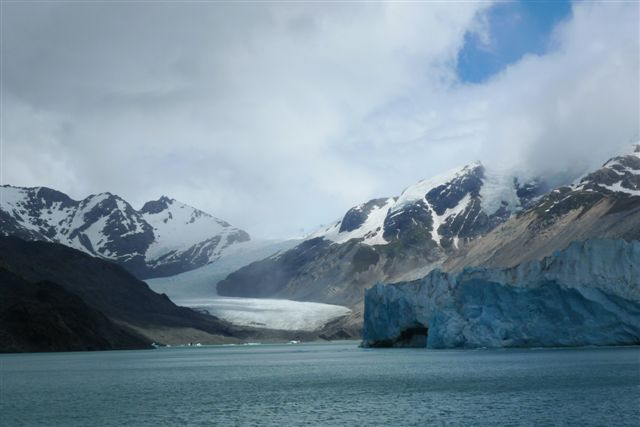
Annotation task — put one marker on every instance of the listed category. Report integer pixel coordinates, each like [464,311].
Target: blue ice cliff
[586,294]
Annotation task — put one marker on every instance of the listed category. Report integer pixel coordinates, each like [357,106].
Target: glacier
[586,294]
[269,313]
[197,289]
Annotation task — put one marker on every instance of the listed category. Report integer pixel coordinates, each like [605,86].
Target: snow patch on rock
[497,190]
[370,231]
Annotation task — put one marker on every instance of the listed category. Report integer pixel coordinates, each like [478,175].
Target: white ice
[269,313]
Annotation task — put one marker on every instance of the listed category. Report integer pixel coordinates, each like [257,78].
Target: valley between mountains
[462,250]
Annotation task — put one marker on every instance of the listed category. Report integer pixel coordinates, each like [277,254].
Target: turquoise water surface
[322,384]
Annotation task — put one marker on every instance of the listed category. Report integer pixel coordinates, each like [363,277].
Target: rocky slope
[113,291]
[387,239]
[44,316]
[604,204]
[588,294]
[163,238]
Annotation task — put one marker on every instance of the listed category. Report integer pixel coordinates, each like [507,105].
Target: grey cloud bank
[279,117]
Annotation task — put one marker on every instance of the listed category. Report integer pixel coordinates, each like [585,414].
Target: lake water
[322,384]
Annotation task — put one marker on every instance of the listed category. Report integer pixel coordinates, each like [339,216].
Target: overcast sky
[278,117]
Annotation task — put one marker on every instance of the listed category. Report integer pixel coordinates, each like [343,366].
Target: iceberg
[586,294]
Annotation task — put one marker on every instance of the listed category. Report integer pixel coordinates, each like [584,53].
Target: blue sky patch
[516,28]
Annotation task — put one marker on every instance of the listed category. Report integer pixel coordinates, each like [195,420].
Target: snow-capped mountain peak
[418,191]
[364,221]
[621,174]
[178,227]
[460,204]
[164,237]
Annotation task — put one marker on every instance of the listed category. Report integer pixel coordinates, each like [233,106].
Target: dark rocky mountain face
[44,316]
[163,238]
[406,224]
[449,194]
[156,206]
[388,239]
[101,284]
[356,216]
[531,191]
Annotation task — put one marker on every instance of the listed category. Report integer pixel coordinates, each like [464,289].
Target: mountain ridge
[163,238]
[385,238]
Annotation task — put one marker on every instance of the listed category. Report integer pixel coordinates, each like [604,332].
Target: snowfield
[269,313]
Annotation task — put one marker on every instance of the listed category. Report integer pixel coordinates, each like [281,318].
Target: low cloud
[279,118]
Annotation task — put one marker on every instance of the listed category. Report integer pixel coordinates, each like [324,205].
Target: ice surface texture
[587,294]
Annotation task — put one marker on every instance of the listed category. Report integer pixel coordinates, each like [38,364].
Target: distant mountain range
[468,217]
[163,238]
